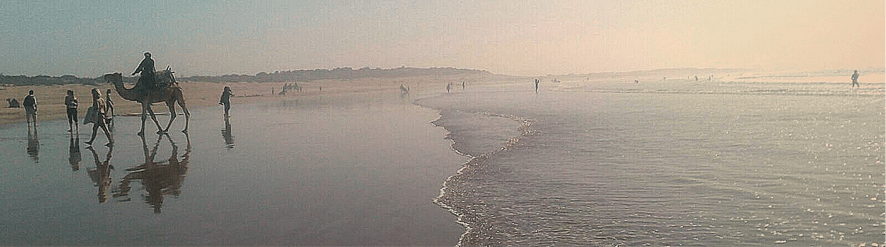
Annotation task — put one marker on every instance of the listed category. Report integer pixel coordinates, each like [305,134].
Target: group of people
[100,114]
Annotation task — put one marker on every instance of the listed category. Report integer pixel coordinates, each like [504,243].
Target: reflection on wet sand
[74,153]
[101,175]
[33,144]
[158,178]
[226,133]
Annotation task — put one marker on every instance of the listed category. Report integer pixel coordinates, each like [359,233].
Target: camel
[13,103]
[169,94]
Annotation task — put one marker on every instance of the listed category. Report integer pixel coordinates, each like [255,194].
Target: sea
[733,158]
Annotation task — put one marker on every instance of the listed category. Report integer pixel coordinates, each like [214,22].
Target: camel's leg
[172,115]
[153,117]
[181,103]
[144,117]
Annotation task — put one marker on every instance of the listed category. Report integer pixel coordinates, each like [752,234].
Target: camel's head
[114,78]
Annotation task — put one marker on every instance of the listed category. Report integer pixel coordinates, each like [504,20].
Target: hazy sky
[90,38]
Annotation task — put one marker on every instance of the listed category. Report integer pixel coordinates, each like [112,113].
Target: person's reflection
[226,133]
[74,153]
[158,178]
[33,144]
[101,175]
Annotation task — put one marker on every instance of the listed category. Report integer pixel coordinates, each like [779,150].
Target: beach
[612,160]
[353,165]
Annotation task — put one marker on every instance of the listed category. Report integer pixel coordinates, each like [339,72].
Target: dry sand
[50,99]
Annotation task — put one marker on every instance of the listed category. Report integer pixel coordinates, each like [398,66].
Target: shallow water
[329,170]
[608,163]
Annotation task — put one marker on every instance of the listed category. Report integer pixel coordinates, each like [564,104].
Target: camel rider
[146,67]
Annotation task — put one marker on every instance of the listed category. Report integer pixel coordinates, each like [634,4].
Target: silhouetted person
[99,119]
[462,85]
[226,99]
[696,78]
[855,79]
[33,144]
[146,67]
[101,175]
[30,104]
[110,105]
[74,153]
[227,134]
[448,86]
[536,85]
[71,104]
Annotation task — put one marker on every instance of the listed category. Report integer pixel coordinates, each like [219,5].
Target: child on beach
[226,99]
[71,105]
[855,79]
[99,119]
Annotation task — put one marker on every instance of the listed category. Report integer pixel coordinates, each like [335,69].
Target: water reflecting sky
[314,171]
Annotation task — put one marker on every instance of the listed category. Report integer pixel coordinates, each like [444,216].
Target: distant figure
[226,99]
[321,88]
[146,67]
[855,79]
[404,89]
[71,104]
[273,91]
[536,85]
[462,85]
[99,119]
[13,103]
[696,78]
[30,104]
[448,86]
[110,104]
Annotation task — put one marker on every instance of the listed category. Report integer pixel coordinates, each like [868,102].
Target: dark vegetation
[277,76]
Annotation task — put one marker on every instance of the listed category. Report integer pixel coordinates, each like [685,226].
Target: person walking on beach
[536,85]
[30,104]
[855,79]
[448,86]
[146,67]
[110,105]
[71,105]
[226,99]
[99,118]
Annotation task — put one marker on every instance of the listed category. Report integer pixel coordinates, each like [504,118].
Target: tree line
[277,76]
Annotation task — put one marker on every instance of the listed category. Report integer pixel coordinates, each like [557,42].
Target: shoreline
[50,99]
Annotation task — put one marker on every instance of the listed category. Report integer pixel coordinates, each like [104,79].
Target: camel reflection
[159,178]
[226,133]
[33,144]
[101,175]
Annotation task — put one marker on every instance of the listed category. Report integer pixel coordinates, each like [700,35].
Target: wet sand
[338,168]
